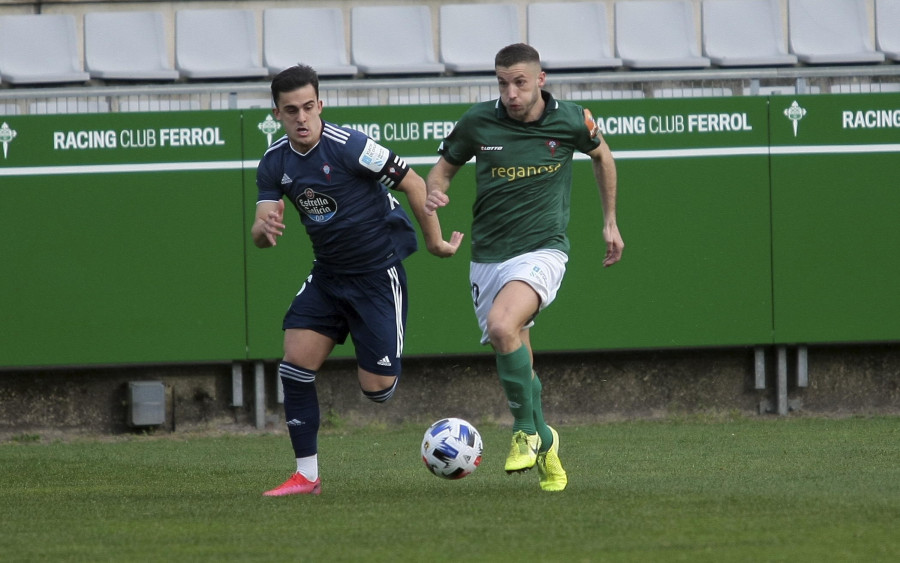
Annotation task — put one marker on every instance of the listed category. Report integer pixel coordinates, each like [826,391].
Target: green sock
[515,378]
[539,424]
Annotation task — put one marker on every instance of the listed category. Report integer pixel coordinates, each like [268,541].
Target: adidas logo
[285,179]
[295,422]
[385,361]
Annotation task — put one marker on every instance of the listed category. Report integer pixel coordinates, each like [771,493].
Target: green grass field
[792,489]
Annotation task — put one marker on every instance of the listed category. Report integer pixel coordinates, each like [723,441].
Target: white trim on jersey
[277,144]
[335,133]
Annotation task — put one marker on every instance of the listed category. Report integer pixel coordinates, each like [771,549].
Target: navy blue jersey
[340,190]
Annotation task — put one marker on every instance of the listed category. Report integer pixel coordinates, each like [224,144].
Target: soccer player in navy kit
[338,180]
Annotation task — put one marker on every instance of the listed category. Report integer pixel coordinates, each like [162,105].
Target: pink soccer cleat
[296,485]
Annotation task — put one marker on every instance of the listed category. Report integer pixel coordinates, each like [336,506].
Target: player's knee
[381,395]
[501,333]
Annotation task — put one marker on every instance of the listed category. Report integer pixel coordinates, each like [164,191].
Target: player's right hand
[273,226]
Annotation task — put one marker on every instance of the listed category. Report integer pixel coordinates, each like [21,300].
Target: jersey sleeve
[457,148]
[583,140]
[268,185]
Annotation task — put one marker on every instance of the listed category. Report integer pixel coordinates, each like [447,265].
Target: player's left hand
[435,199]
[614,245]
[446,249]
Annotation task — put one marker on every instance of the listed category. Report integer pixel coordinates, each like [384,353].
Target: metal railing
[454,89]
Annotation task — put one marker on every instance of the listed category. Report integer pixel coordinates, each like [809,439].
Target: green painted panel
[120,254]
[836,195]
[127,235]
[694,213]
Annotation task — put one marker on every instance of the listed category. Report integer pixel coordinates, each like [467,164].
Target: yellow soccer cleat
[523,452]
[550,469]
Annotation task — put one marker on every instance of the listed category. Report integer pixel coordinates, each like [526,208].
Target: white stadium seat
[322,44]
[393,40]
[40,49]
[832,32]
[217,44]
[887,27]
[471,34]
[126,46]
[571,35]
[657,34]
[741,33]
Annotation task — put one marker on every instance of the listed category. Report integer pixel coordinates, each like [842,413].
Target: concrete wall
[578,388]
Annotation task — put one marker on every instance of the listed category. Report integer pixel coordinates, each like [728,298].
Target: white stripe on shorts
[398,307]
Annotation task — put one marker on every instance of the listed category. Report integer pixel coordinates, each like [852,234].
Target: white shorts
[543,270]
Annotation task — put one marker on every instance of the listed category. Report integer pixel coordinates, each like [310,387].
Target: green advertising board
[693,210]
[835,200]
[747,221]
[121,238]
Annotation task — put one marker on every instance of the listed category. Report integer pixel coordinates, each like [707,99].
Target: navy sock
[301,408]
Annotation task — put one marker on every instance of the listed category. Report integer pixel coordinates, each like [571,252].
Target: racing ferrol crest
[795,113]
[269,127]
[6,137]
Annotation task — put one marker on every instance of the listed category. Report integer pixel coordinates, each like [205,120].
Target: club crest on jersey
[552,144]
[317,206]
[326,169]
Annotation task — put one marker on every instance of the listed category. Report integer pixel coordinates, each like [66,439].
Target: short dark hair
[293,78]
[515,54]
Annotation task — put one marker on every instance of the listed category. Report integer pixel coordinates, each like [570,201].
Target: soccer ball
[451,448]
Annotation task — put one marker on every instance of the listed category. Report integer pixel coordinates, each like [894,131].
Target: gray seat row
[399,40]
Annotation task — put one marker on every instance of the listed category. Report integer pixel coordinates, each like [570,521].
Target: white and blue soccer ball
[451,448]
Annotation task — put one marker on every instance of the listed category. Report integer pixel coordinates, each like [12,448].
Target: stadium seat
[550,32]
[40,49]
[740,33]
[833,32]
[322,44]
[887,28]
[213,44]
[471,34]
[126,46]
[657,34]
[393,40]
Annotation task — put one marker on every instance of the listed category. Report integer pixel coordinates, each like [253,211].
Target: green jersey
[523,175]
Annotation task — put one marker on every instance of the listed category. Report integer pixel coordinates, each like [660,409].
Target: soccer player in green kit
[523,145]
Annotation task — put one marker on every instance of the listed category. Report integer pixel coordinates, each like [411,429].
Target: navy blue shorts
[370,307]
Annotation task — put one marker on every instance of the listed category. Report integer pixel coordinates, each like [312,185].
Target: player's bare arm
[438,183]
[414,187]
[605,173]
[269,223]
